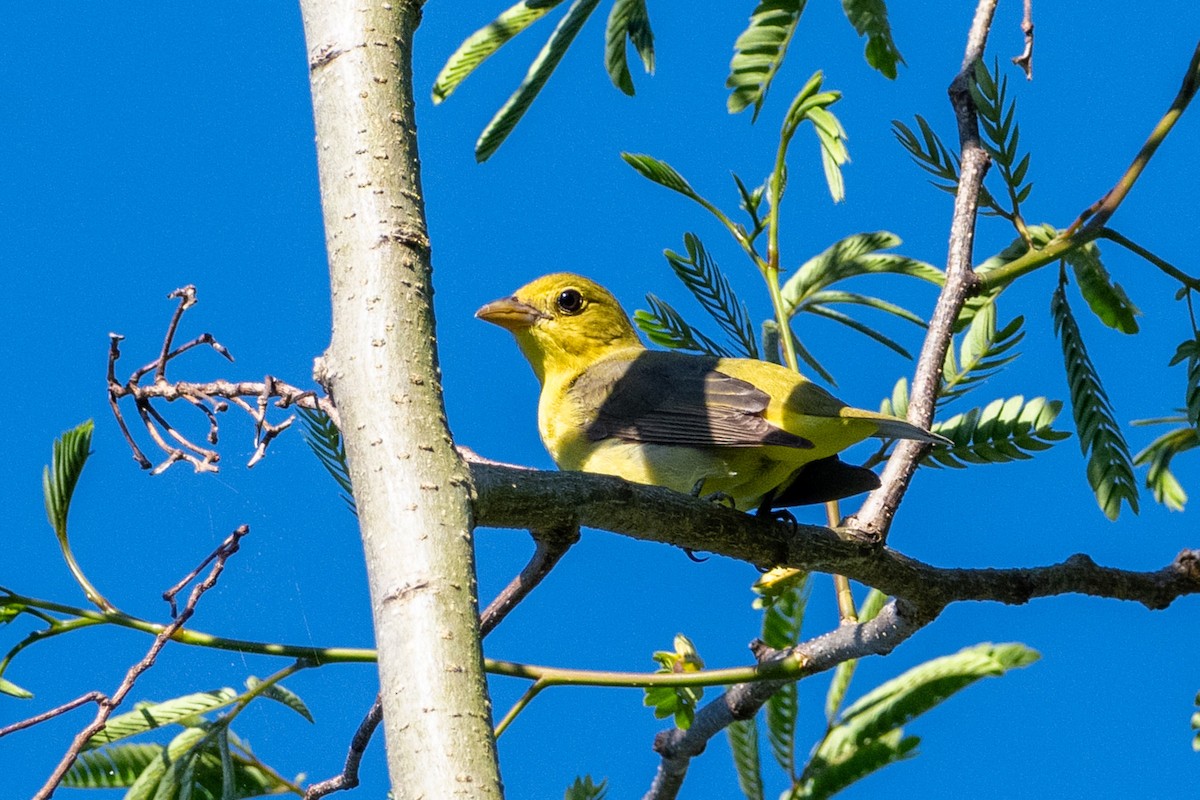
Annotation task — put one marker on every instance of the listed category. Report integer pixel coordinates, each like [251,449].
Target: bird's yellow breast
[743,473]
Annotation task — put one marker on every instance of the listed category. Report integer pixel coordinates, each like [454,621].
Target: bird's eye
[570,301]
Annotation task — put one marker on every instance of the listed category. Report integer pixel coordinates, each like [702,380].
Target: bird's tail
[896,428]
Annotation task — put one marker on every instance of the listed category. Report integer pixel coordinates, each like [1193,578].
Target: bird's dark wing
[675,399]
[820,481]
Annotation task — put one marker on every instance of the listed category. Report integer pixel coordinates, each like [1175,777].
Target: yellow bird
[756,432]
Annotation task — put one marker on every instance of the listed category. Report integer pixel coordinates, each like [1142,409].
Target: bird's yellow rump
[738,426]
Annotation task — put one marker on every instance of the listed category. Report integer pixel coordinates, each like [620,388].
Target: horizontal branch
[513,497]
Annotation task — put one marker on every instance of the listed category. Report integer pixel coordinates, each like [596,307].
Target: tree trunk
[411,489]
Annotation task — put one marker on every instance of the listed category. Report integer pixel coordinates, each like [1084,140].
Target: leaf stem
[1096,215]
[322,655]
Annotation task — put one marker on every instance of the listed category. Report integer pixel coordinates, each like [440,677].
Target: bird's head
[563,323]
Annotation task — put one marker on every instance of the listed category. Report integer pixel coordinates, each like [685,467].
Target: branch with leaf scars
[895,623]
[210,398]
[108,704]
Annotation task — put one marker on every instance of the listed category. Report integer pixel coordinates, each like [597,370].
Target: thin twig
[201,396]
[550,545]
[874,519]
[1025,60]
[348,778]
[879,636]
[90,697]
[108,705]
[187,299]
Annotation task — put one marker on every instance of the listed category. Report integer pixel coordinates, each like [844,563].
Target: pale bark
[410,486]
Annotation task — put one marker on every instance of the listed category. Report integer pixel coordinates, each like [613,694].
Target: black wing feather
[674,399]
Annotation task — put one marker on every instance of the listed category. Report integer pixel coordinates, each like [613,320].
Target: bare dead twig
[550,545]
[90,697]
[1025,60]
[109,704]
[348,778]
[187,299]
[210,398]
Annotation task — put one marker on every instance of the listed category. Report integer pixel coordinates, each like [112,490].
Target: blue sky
[149,147]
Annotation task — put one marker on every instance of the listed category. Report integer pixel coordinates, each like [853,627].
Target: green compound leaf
[921,688]
[1001,133]
[1190,351]
[148,716]
[71,451]
[325,440]
[743,744]
[627,20]
[984,351]
[679,702]
[661,173]
[703,278]
[827,779]
[782,623]
[665,326]
[281,694]
[1106,298]
[870,19]
[812,105]
[585,789]
[194,765]
[484,42]
[1002,431]
[869,736]
[1158,455]
[858,254]
[929,153]
[543,66]
[116,767]
[808,290]
[759,52]
[1110,467]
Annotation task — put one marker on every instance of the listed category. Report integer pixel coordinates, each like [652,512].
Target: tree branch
[550,545]
[410,486]
[875,516]
[348,778]
[895,623]
[108,705]
[506,497]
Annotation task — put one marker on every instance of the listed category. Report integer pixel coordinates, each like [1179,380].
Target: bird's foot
[722,499]
[778,515]
[719,498]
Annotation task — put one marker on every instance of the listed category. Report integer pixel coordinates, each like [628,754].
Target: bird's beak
[510,313]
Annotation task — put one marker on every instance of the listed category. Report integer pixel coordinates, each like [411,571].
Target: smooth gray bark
[410,487]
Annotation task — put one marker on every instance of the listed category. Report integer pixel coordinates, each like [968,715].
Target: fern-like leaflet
[1110,467]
